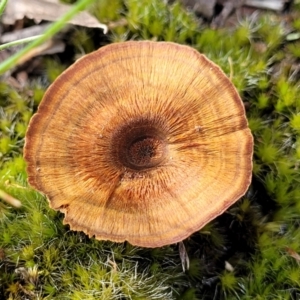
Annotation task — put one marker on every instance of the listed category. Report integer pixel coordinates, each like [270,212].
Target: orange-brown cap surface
[140,141]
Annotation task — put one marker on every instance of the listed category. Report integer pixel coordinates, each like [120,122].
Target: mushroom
[144,142]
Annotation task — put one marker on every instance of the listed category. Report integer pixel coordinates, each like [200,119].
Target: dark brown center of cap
[139,145]
[145,152]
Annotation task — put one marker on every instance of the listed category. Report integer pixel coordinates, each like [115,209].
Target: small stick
[185,262]
[10,199]
[231,68]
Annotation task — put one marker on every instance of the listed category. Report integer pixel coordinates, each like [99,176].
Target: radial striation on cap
[144,142]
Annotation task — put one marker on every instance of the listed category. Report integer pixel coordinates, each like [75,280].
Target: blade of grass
[2,6]
[52,30]
[21,41]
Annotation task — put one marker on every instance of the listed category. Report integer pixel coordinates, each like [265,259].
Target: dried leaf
[23,33]
[49,47]
[44,10]
[185,261]
[293,254]
[228,266]
[277,5]
[202,7]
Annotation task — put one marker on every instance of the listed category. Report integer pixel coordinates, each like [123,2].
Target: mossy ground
[252,251]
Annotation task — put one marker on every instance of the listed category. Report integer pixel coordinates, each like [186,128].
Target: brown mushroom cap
[140,141]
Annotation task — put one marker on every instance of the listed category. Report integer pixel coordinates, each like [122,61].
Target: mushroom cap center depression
[139,145]
[145,152]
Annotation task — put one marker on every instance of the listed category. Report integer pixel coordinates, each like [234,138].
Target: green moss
[295,122]
[268,153]
[5,145]
[38,93]
[107,10]
[82,41]
[286,93]
[54,68]
[157,19]
[259,235]
[271,31]
[294,49]
[228,281]
[189,294]
[263,101]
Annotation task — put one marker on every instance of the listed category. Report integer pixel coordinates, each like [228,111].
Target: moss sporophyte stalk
[40,258]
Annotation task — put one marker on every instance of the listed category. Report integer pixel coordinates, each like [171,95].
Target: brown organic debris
[140,141]
[49,47]
[293,254]
[10,199]
[219,11]
[46,10]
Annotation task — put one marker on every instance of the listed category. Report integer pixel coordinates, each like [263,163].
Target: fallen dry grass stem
[10,199]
